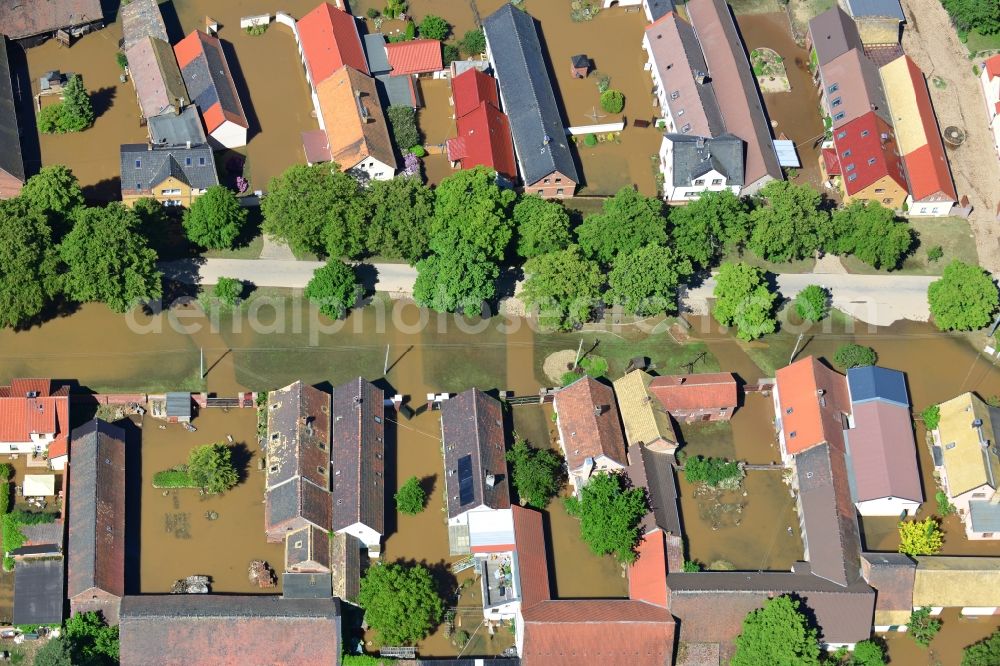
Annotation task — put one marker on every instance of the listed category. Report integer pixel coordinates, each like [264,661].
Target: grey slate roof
[378,59]
[38,591]
[358,455]
[97,509]
[306,586]
[985,516]
[392,90]
[140,19]
[659,8]
[10,139]
[473,434]
[179,404]
[661,484]
[159,163]
[177,130]
[693,157]
[307,549]
[527,95]
[209,81]
[876,9]
[833,34]
[875,383]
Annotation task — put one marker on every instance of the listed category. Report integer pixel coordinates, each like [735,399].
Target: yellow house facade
[173,175]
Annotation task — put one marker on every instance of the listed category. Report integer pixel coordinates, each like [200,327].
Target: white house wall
[931,209]
[365,534]
[229,135]
[887,506]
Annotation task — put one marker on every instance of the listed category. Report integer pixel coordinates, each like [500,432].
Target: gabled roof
[966,426]
[872,382]
[876,9]
[644,418]
[882,454]
[655,471]
[209,81]
[833,34]
[707,390]
[992,66]
[308,548]
[588,423]
[536,125]
[417,56]
[358,455]
[35,406]
[484,139]
[470,89]
[694,157]
[140,19]
[873,155]
[329,40]
[26,18]
[96,550]
[473,435]
[356,129]
[858,90]
[38,591]
[11,161]
[647,576]
[812,398]
[891,574]
[156,78]
[142,168]
[957,581]
[210,629]
[532,560]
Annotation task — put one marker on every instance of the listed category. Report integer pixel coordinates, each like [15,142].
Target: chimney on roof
[187,144]
[700,142]
[978,423]
[149,146]
[491,480]
[700,77]
[599,409]
[362,109]
[681,380]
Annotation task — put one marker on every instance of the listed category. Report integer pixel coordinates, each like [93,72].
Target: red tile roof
[46,413]
[533,567]
[647,577]
[831,162]
[927,166]
[701,391]
[484,139]
[992,66]
[329,39]
[809,418]
[417,56]
[599,631]
[871,156]
[472,87]
[588,423]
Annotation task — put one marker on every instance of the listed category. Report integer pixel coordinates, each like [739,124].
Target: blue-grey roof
[938,455]
[179,404]
[528,100]
[170,129]
[695,156]
[876,9]
[378,59]
[659,8]
[10,138]
[306,586]
[875,383]
[38,591]
[985,516]
[143,168]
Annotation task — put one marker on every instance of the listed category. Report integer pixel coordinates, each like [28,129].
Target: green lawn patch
[748,257]
[951,234]
[251,250]
[977,42]
[756,6]
[173,478]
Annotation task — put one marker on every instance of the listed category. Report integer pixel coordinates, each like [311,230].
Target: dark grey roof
[10,138]
[306,586]
[938,455]
[694,156]
[659,8]
[833,34]
[194,166]
[697,65]
[985,516]
[179,404]
[358,455]
[662,486]
[378,59]
[527,95]
[831,535]
[39,549]
[97,509]
[875,383]
[46,533]
[298,499]
[473,434]
[876,9]
[38,591]
[307,550]
[392,90]
[208,80]
[177,129]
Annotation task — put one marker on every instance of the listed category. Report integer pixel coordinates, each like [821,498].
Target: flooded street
[956,633]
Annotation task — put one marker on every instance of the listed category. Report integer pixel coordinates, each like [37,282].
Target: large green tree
[211,468]
[459,281]
[812,304]
[316,209]
[400,602]
[609,513]
[215,219]
[965,298]
[704,228]
[744,300]
[403,124]
[55,652]
[154,222]
[77,110]
[983,16]
[779,634]
[399,213]
[871,232]
[788,223]
[922,626]
[627,222]
[542,226]
[984,653]
[536,473]
[91,641]
[55,192]
[564,286]
[434,27]
[334,289]
[28,263]
[472,212]
[645,281]
[108,260]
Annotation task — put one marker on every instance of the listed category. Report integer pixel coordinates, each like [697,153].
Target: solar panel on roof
[466,493]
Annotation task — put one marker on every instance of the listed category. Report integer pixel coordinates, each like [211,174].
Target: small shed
[39,485]
[579,66]
[179,407]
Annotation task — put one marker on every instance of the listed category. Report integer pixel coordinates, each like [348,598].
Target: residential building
[647,576]
[307,551]
[476,478]
[932,191]
[38,591]
[392,90]
[881,450]
[868,161]
[358,459]
[297,487]
[211,88]
[96,552]
[590,433]
[159,87]
[811,403]
[692,165]
[328,39]
[173,175]
[645,419]
[12,173]
[180,129]
[484,137]
[990,80]
[851,88]
[226,629]
[831,35]
[892,576]
[416,57]
[355,130]
[967,462]
[654,471]
[544,159]
[34,420]
[967,583]
[878,21]
[709,396]
[141,19]
[34,21]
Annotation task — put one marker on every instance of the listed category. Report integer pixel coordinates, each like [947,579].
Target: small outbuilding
[39,485]
[579,66]
[179,407]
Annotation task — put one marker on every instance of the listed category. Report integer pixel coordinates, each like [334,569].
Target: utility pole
[796,350]
[201,371]
[578,350]
[385,366]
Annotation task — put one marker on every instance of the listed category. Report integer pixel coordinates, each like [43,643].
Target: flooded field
[956,633]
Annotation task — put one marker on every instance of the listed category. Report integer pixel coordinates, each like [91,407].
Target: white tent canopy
[39,485]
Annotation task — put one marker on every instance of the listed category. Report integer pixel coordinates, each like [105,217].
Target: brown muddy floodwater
[956,634]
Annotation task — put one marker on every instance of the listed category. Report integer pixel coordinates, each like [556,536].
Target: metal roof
[38,591]
[985,516]
[10,139]
[178,404]
[787,155]
[875,383]
[306,586]
[876,9]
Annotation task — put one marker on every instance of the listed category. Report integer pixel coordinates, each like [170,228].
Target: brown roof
[307,549]
[221,630]
[833,33]
[709,390]
[532,560]
[355,126]
[860,88]
[583,631]
[358,455]
[26,18]
[473,435]
[892,575]
[588,423]
[157,80]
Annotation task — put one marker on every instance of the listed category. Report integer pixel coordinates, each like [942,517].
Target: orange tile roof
[811,397]
[647,577]
[700,391]
[210,83]
[329,39]
[589,423]
[353,138]
[47,413]
[992,66]
[484,139]
[872,157]
[417,56]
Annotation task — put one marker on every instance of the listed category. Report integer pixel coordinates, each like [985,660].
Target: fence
[595,129]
